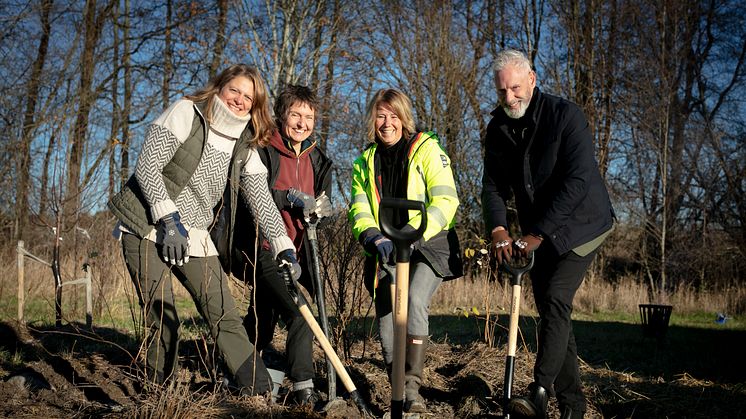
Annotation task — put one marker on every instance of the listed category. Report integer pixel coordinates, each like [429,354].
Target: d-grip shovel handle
[401,238]
[517,271]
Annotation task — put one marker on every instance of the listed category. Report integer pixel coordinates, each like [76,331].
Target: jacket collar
[285,147]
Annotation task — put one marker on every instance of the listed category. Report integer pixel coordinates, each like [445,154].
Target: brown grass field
[697,369]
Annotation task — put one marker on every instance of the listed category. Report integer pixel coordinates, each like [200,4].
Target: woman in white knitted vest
[191,152]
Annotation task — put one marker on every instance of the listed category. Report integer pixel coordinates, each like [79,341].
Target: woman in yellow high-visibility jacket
[403,163]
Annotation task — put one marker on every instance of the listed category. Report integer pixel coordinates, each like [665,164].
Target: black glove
[287,258]
[381,245]
[175,239]
[301,200]
[323,206]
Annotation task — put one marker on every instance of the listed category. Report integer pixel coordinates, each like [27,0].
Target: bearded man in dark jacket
[539,149]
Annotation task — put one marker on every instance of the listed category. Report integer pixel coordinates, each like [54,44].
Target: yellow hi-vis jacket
[430,180]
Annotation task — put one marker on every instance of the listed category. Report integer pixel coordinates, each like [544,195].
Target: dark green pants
[205,281]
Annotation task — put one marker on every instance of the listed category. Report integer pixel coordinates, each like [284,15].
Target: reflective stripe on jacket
[430,180]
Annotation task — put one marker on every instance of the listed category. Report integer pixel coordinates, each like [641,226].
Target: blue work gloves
[287,259]
[175,239]
[302,200]
[380,245]
[323,206]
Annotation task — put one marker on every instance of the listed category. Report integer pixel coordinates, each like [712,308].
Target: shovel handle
[402,238]
[517,271]
[331,355]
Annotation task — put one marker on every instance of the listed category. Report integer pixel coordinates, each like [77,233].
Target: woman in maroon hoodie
[300,182]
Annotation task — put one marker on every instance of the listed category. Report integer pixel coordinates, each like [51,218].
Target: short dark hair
[291,95]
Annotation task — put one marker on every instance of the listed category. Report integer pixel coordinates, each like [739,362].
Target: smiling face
[515,86]
[298,122]
[238,95]
[388,125]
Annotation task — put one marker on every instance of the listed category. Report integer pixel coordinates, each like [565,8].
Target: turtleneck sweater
[196,201]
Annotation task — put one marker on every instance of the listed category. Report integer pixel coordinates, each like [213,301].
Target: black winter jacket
[552,171]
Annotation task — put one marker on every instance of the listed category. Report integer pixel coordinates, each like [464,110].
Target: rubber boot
[569,413]
[532,406]
[415,362]
[253,378]
[306,396]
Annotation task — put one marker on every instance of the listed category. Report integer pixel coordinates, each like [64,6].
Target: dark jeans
[270,301]
[555,280]
[208,287]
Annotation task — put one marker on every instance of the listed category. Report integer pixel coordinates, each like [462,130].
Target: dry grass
[614,390]
[115,299]
[594,296]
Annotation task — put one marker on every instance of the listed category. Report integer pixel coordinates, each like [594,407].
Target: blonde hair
[401,105]
[261,122]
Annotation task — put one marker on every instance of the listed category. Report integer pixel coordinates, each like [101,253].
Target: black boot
[305,396]
[532,406]
[416,348]
[569,413]
[253,378]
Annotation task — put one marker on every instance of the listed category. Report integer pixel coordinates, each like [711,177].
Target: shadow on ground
[692,372]
[686,372]
[705,354]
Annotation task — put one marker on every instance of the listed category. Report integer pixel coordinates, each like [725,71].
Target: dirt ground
[74,373]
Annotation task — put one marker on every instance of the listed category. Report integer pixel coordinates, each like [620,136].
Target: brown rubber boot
[416,348]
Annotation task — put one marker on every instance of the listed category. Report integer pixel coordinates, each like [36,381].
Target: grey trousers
[205,281]
[422,286]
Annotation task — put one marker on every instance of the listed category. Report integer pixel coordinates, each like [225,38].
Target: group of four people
[220,187]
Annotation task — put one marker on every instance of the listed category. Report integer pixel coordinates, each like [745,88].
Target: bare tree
[218,46]
[93,23]
[29,121]
[668,89]
[280,39]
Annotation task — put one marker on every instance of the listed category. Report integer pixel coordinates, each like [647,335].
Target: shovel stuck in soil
[302,303]
[402,240]
[311,223]
[515,312]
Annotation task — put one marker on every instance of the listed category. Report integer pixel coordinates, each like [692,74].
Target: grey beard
[515,114]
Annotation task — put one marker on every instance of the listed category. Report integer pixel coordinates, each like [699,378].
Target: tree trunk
[29,124]
[326,99]
[220,39]
[124,153]
[167,56]
[72,195]
[115,115]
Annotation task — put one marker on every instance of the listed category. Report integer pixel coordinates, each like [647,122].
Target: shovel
[402,240]
[331,375]
[515,311]
[302,303]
